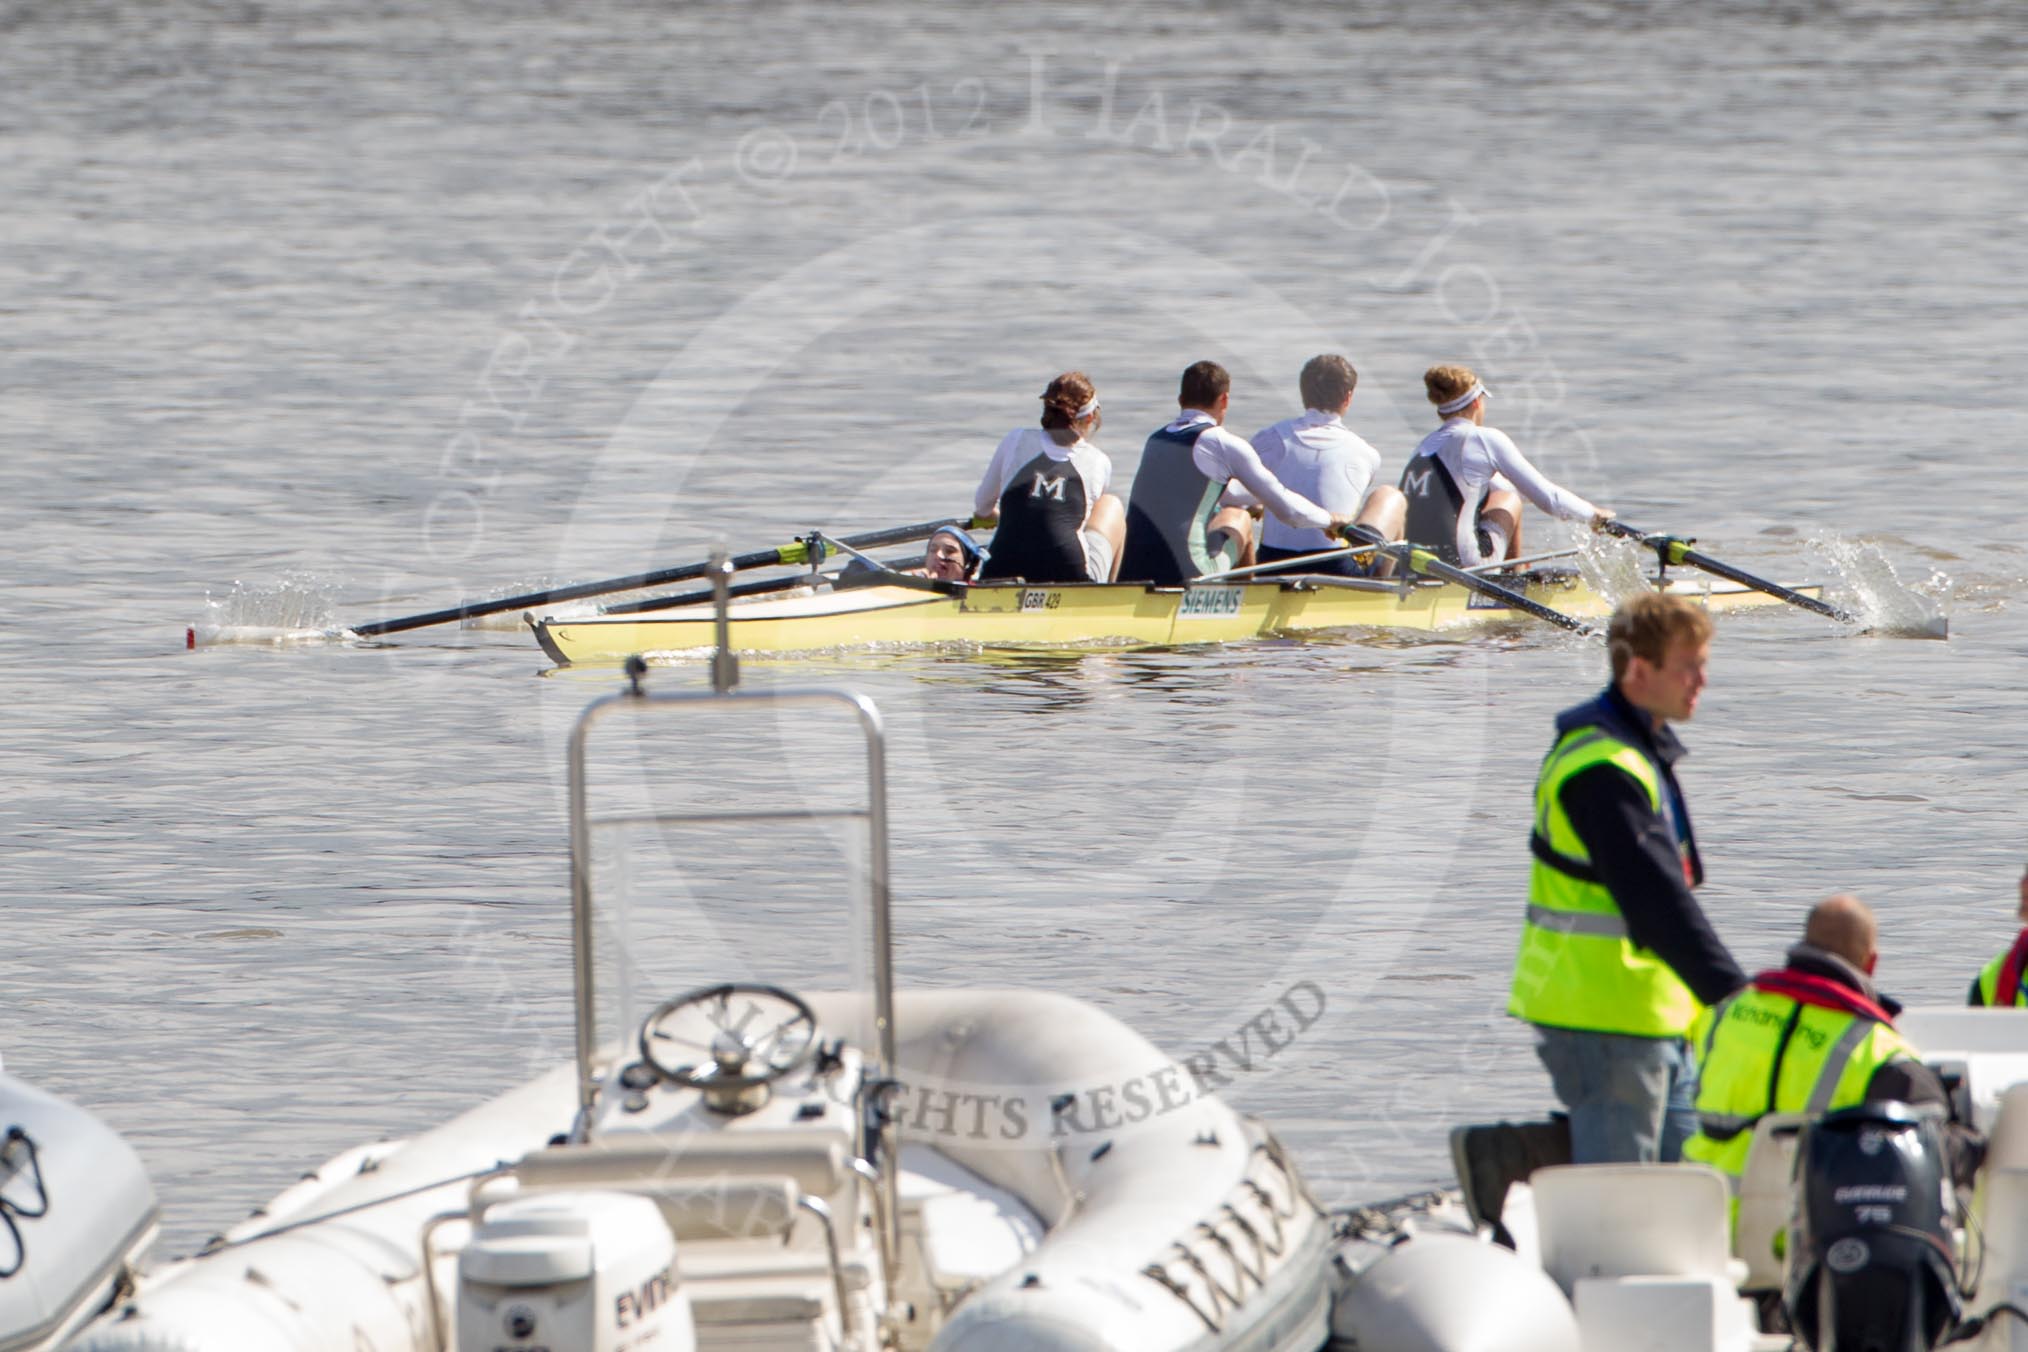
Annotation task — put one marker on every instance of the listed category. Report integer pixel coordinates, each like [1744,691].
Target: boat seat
[963,1230]
[815,1159]
[1633,1220]
[1644,1253]
[755,1294]
[738,1260]
[2000,1204]
[720,1208]
[1764,1199]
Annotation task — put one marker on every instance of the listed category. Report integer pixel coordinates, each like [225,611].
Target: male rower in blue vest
[1181,524]
[1617,959]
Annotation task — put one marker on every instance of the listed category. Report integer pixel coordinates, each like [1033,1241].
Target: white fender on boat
[1453,1293]
[77,1211]
[332,1289]
[335,1285]
[1172,1221]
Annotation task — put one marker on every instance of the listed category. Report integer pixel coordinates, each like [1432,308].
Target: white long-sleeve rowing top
[1479,458]
[1319,457]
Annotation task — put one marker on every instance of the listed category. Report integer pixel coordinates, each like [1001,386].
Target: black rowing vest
[1042,514]
[1169,511]
[1435,507]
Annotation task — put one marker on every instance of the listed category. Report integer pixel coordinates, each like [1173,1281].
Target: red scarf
[2009,984]
[1822,992]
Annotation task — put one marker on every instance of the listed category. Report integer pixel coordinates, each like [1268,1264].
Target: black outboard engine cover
[1869,1249]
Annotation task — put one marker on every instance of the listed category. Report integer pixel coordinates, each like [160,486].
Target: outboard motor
[1869,1259]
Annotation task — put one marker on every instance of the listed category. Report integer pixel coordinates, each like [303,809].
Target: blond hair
[1445,383]
[1646,626]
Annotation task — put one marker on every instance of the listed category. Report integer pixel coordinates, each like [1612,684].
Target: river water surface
[317,313]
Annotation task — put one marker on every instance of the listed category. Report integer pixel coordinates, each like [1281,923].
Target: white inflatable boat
[748,1167]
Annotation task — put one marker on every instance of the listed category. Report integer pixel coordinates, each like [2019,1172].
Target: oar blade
[1928,627]
[1674,550]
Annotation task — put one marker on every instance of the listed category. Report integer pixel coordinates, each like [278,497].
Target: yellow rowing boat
[1089,614]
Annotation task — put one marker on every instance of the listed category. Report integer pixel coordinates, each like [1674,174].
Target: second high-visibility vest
[2000,983]
[1787,1043]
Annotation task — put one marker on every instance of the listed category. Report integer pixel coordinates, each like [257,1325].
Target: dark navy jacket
[1636,853]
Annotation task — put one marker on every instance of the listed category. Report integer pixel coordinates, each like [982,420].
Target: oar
[1279,565]
[794,552]
[1669,549]
[704,594]
[1420,560]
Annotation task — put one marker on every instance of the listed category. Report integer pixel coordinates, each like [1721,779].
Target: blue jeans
[1632,1100]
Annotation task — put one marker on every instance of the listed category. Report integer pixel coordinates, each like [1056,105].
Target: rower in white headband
[1463,401]
[1466,482]
[1046,490]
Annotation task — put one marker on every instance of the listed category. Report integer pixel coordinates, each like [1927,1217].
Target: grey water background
[315,313]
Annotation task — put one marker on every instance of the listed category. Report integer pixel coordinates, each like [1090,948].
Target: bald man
[1816,1032]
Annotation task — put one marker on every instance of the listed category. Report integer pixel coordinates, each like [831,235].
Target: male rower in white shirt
[1465,482]
[1319,457]
[1176,526]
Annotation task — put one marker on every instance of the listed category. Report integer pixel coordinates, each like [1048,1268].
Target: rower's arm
[1236,495]
[1635,856]
[1239,461]
[1531,483]
[986,500]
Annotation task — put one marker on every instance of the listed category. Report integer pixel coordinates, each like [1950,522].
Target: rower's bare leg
[1109,518]
[1502,515]
[1237,524]
[1386,511]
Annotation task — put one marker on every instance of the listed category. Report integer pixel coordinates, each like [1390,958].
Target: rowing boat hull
[1073,615]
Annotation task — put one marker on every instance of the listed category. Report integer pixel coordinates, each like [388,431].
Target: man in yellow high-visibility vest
[1813,1037]
[1617,958]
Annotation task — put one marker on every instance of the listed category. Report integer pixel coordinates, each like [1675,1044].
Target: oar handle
[1671,549]
[1421,561]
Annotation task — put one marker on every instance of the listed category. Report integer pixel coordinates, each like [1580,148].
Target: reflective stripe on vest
[1724,1126]
[1575,922]
[1577,968]
[1765,1052]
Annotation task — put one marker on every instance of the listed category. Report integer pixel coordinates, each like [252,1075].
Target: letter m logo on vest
[1045,487]
[1416,482]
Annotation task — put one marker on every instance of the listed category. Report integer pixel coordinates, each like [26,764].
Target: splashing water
[1614,567]
[1872,589]
[300,608]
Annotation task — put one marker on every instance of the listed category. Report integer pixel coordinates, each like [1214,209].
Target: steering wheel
[745,1035]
